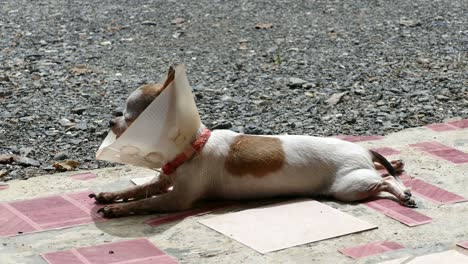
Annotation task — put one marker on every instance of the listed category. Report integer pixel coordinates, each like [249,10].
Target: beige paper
[395,261]
[142,180]
[274,227]
[450,256]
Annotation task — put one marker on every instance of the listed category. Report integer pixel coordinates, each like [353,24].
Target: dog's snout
[111,123]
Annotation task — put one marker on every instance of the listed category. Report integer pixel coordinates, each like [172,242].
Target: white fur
[313,166]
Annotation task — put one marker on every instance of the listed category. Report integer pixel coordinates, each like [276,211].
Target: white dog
[226,165]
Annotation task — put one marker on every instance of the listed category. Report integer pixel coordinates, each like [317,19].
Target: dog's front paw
[407,192]
[114,210]
[408,201]
[104,197]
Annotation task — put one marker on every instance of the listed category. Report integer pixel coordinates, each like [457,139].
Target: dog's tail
[376,157]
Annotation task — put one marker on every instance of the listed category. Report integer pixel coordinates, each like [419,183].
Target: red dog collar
[188,153]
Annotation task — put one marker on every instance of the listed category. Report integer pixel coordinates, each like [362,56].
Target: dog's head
[135,104]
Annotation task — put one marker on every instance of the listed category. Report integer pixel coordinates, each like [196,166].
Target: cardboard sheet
[279,226]
[395,261]
[450,256]
[142,180]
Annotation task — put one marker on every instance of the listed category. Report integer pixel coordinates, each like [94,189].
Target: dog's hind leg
[364,183]
[156,186]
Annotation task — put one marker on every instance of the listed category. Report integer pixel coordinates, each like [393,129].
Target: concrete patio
[191,242]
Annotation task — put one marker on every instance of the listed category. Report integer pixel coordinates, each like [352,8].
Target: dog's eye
[118,112]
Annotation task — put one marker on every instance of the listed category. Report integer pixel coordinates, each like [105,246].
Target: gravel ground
[260,67]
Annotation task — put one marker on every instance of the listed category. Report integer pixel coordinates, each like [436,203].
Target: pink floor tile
[398,212]
[139,251]
[84,176]
[463,123]
[442,151]
[405,177]
[82,199]
[11,224]
[120,251]
[440,127]
[386,151]
[68,257]
[452,155]
[47,213]
[182,215]
[370,249]
[463,244]
[432,192]
[49,210]
[429,146]
[165,259]
[359,138]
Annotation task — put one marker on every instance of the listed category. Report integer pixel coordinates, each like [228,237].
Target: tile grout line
[47,227]
[23,217]
[145,258]
[77,254]
[80,206]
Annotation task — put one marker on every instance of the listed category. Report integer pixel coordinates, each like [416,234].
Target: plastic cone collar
[164,129]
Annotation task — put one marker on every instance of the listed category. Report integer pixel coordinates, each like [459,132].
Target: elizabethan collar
[164,129]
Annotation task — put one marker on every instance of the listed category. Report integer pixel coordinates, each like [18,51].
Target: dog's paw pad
[112,211]
[408,193]
[409,202]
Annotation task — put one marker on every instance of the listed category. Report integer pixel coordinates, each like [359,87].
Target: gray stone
[79,110]
[149,23]
[296,82]
[25,161]
[62,155]
[335,98]
[66,123]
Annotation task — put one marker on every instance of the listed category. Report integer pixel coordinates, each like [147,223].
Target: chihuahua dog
[228,165]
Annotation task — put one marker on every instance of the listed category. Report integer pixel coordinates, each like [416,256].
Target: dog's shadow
[130,226]
[151,224]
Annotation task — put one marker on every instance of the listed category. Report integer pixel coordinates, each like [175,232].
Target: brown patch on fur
[255,155]
[151,90]
[170,77]
[154,89]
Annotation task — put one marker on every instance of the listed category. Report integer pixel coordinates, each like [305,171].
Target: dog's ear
[169,78]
